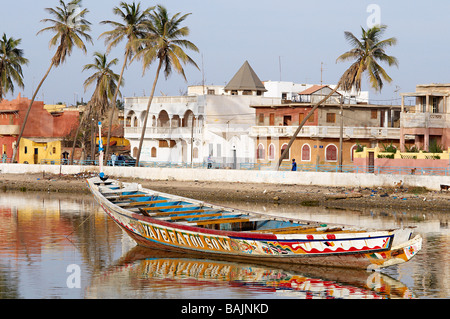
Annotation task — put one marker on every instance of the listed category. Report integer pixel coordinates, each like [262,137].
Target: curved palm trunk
[28,112]
[76,137]
[141,141]
[294,136]
[113,106]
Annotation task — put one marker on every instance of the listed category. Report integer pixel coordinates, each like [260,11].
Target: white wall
[243,176]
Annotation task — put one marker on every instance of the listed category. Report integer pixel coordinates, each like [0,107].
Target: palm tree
[130,29]
[11,61]
[105,80]
[69,26]
[165,42]
[366,54]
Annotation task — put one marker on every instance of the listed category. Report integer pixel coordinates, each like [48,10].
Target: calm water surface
[63,246]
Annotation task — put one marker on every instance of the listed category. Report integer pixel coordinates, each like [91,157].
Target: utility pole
[341,133]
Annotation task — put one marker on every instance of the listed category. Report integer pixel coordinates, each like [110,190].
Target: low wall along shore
[332,179]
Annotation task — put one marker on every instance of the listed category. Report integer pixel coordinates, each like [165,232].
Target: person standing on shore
[294,165]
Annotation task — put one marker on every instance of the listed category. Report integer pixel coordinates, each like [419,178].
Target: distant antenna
[279,64]
[321,72]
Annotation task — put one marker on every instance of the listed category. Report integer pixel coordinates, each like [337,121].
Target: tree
[131,28]
[105,80]
[165,43]
[70,26]
[366,54]
[11,61]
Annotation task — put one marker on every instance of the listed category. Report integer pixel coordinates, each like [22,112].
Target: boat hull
[156,236]
[364,250]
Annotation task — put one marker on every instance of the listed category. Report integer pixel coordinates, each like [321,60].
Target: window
[282,150]
[287,119]
[424,104]
[211,149]
[331,153]
[352,151]
[153,151]
[435,105]
[272,119]
[271,152]
[301,117]
[219,150]
[374,114]
[26,150]
[306,153]
[211,91]
[261,119]
[163,143]
[260,152]
[331,117]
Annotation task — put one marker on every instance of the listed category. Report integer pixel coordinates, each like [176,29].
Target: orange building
[42,127]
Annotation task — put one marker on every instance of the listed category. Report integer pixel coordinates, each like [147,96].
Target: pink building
[428,121]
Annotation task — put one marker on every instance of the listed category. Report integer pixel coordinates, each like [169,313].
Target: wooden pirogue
[169,222]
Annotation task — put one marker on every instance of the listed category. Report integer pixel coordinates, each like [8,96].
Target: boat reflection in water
[142,272]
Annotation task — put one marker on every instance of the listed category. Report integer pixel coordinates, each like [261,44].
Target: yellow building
[36,150]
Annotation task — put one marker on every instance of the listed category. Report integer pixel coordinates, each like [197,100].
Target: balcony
[326,132]
[162,133]
[425,120]
[9,129]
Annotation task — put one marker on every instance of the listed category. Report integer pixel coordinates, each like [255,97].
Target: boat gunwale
[248,235]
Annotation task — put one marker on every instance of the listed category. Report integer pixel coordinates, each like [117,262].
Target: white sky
[301,34]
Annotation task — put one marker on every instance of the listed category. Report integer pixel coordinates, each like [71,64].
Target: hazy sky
[300,34]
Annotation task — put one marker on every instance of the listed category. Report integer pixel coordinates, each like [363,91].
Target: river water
[63,246]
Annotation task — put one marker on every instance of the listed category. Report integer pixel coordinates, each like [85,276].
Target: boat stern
[397,255]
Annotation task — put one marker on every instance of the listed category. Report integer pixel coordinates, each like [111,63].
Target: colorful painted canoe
[163,221]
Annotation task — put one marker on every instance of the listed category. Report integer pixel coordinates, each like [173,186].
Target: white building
[210,122]
[290,91]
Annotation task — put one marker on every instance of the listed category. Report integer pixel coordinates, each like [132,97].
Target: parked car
[125,160]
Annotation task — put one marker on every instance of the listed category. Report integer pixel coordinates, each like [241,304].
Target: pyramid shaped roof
[245,79]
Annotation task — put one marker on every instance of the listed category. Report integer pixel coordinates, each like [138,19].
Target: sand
[333,197]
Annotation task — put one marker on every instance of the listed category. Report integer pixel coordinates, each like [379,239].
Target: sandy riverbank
[336,197]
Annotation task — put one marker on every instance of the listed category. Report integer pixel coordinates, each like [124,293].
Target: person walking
[113,159]
[209,161]
[294,165]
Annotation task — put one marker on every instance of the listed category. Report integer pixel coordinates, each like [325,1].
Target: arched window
[260,154]
[352,151]
[271,152]
[288,155]
[331,153]
[153,151]
[306,153]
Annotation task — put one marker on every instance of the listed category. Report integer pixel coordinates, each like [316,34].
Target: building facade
[319,141]
[427,122]
[209,125]
[43,133]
